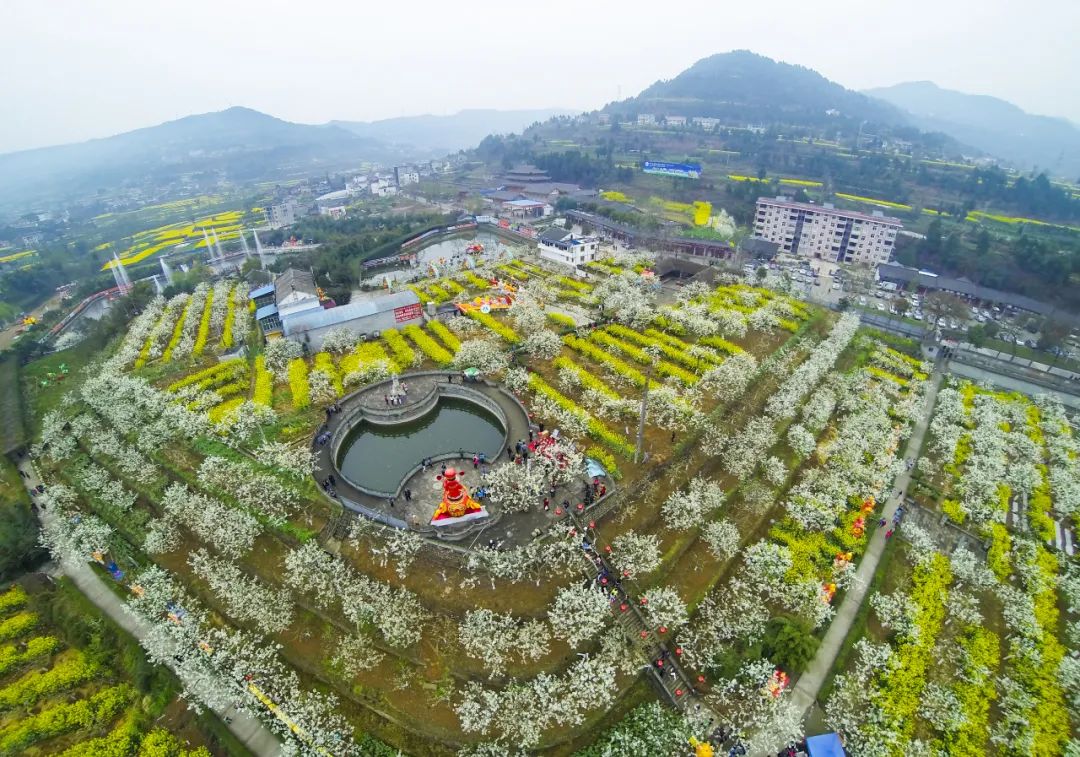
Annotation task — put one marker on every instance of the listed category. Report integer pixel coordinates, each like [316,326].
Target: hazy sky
[76,69]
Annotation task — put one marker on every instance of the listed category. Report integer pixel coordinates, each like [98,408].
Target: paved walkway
[511,529]
[245,727]
[810,682]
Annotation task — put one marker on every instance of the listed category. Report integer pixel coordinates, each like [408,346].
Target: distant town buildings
[527,208]
[823,232]
[383,187]
[293,306]
[561,246]
[527,182]
[406,175]
[281,214]
[646,119]
[333,203]
[706,123]
[675,122]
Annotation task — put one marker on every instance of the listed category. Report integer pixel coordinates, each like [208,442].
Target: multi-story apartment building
[825,233]
[281,214]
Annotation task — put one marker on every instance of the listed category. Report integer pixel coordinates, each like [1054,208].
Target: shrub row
[264,383]
[438,328]
[215,374]
[325,364]
[204,326]
[298,383]
[508,334]
[403,354]
[83,714]
[596,429]
[427,345]
[605,358]
[587,380]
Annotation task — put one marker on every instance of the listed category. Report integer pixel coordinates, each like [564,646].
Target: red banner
[407,312]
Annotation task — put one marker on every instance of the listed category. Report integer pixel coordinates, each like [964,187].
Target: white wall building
[823,232]
[406,175]
[706,123]
[561,246]
[675,121]
[383,187]
[281,214]
[646,119]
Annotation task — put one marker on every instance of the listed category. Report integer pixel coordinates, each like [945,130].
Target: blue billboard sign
[685,170]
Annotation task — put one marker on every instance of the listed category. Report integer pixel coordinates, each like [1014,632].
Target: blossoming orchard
[662,519]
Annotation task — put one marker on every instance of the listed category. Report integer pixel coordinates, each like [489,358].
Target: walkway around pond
[424,487]
[806,691]
[245,727]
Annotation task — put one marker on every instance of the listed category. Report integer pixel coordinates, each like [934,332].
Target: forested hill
[747,88]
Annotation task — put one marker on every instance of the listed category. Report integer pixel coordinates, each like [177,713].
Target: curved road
[245,727]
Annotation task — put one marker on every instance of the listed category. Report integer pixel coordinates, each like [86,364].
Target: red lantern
[624,607]
[678,692]
[701,679]
[604,581]
[663,629]
[644,601]
[558,511]
[607,548]
[592,524]
[644,634]
[678,651]
[580,507]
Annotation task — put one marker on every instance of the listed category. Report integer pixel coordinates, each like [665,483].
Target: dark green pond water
[378,457]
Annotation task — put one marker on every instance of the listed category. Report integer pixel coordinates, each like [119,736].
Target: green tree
[789,645]
[1052,333]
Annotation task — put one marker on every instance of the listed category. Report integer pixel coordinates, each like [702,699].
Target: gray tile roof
[324,317]
[908,275]
[293,280]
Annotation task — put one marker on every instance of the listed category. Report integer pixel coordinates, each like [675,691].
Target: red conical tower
[456,505]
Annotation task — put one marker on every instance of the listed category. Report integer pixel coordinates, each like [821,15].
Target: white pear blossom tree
[635,554]
[579,613]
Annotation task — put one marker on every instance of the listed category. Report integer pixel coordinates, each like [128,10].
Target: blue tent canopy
[825,745]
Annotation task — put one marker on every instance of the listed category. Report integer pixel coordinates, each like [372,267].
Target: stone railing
[398,415]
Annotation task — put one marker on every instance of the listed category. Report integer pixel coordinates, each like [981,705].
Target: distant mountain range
[749,88]
[738,87]
[440,135]
[990,124]
[243,143]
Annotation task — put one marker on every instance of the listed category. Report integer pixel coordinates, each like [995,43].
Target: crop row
[427,345]
[508,334]
[596,429]
[617,366]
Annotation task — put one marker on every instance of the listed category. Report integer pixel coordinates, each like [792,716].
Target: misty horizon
[135,67]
